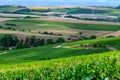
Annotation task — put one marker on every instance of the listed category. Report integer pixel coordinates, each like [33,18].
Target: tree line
[10,41]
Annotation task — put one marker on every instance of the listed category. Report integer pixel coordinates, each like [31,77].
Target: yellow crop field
[38,8]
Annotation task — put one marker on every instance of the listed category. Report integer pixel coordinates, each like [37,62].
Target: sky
[61,2]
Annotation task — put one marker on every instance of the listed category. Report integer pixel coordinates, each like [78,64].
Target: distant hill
[13,9]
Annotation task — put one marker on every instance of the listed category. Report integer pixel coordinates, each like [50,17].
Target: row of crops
[90,67]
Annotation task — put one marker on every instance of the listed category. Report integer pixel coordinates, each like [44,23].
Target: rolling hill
[53,51]
[26,64]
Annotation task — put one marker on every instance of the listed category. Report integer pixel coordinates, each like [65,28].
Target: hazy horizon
[61,2]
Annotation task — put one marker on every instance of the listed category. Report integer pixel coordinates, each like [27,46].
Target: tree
[16,40]
[51,33]
[80,34]
[22,30]
[32,40]
[0,27]
[37,42]
[29,30]
[60,40]
[19,45]
[49,41]
[39,32]
[42,42]
[24,45]
[27,40]
[7,41]
[45,32]
[93,37]
[13,29]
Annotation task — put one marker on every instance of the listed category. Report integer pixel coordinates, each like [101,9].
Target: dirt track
[69,20]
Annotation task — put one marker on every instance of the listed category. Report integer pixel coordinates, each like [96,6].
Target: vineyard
[90,67]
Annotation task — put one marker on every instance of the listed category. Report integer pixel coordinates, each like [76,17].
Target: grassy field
[43,53]
[52,52]
[50,62]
